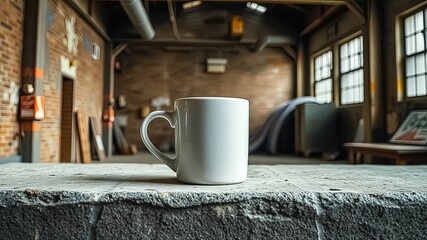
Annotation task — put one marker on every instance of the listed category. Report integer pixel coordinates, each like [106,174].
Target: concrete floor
[146,157]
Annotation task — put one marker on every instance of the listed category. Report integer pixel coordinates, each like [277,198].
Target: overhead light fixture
[261,9]
[216,61]
[256,7]
[192,4]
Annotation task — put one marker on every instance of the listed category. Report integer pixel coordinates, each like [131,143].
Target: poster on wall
[413,130]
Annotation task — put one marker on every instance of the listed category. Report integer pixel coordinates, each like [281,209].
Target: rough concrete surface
[143,201]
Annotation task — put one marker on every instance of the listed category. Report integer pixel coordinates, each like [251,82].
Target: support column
[291,53]
[377,86]
[33,61]
[366,110]
[302,81]
[107,126]
[109,85]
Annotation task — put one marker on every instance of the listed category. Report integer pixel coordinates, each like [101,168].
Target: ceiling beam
[320,20]
[290,51]
[356,9]
[117,50]
[309,2]
[296,7]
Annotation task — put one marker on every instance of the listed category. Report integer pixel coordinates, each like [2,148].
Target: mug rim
[211,98]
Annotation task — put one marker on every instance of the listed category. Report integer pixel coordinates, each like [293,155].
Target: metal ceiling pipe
[139,18]
[186,41]
[272,40]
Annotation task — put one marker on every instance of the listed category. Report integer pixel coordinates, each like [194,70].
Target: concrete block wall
[88,84]
[264,78]
[11,34]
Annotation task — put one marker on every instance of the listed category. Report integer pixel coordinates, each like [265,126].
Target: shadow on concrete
[254,159]
[130,179]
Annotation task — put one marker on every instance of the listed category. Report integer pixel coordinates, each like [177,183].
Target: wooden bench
[400,153]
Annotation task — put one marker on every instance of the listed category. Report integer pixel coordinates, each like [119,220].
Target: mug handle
[172,163]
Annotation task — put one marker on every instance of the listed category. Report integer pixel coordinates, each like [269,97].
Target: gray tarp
[270,130]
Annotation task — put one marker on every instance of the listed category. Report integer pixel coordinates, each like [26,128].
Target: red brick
[158,73]
[89,81]
[10,61]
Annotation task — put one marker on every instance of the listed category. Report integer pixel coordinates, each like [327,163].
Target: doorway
[67,119]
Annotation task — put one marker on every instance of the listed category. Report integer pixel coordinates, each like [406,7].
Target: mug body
[211,139]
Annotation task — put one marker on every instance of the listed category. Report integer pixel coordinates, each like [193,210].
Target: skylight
[256,7]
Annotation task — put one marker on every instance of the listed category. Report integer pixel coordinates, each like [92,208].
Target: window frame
[338,45]
[404,56]
[313,73]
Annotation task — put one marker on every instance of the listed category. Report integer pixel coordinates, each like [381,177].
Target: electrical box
[236,27]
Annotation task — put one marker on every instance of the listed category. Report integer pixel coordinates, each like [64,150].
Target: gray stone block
[374,216]
[45,222]
[281,217]
[140,201]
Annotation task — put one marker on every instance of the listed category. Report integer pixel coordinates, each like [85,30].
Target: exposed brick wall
[88,83]
[11,33]
[264,78]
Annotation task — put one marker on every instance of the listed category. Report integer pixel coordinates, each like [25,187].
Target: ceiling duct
[272,40]
[139,18]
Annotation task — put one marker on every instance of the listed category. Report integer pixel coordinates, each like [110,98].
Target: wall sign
[32,107]
[68,67]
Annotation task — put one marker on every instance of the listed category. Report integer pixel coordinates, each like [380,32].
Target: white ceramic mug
[211,139]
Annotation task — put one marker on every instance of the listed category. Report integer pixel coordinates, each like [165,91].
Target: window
[323,77]
[351,71]
[95,51]
[416,54]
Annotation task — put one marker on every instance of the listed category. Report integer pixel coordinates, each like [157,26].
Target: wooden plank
[96,139]
[388,146]
[83,137]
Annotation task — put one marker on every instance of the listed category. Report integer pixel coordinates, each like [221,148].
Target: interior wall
[264,78]
[329,35]
[396,111]
[11,35]
[333,31]
[88,82]
[346,24]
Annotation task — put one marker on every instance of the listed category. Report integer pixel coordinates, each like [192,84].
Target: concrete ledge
[141,201]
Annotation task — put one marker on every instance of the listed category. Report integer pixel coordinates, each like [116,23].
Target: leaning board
[83,137]
[96,139]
